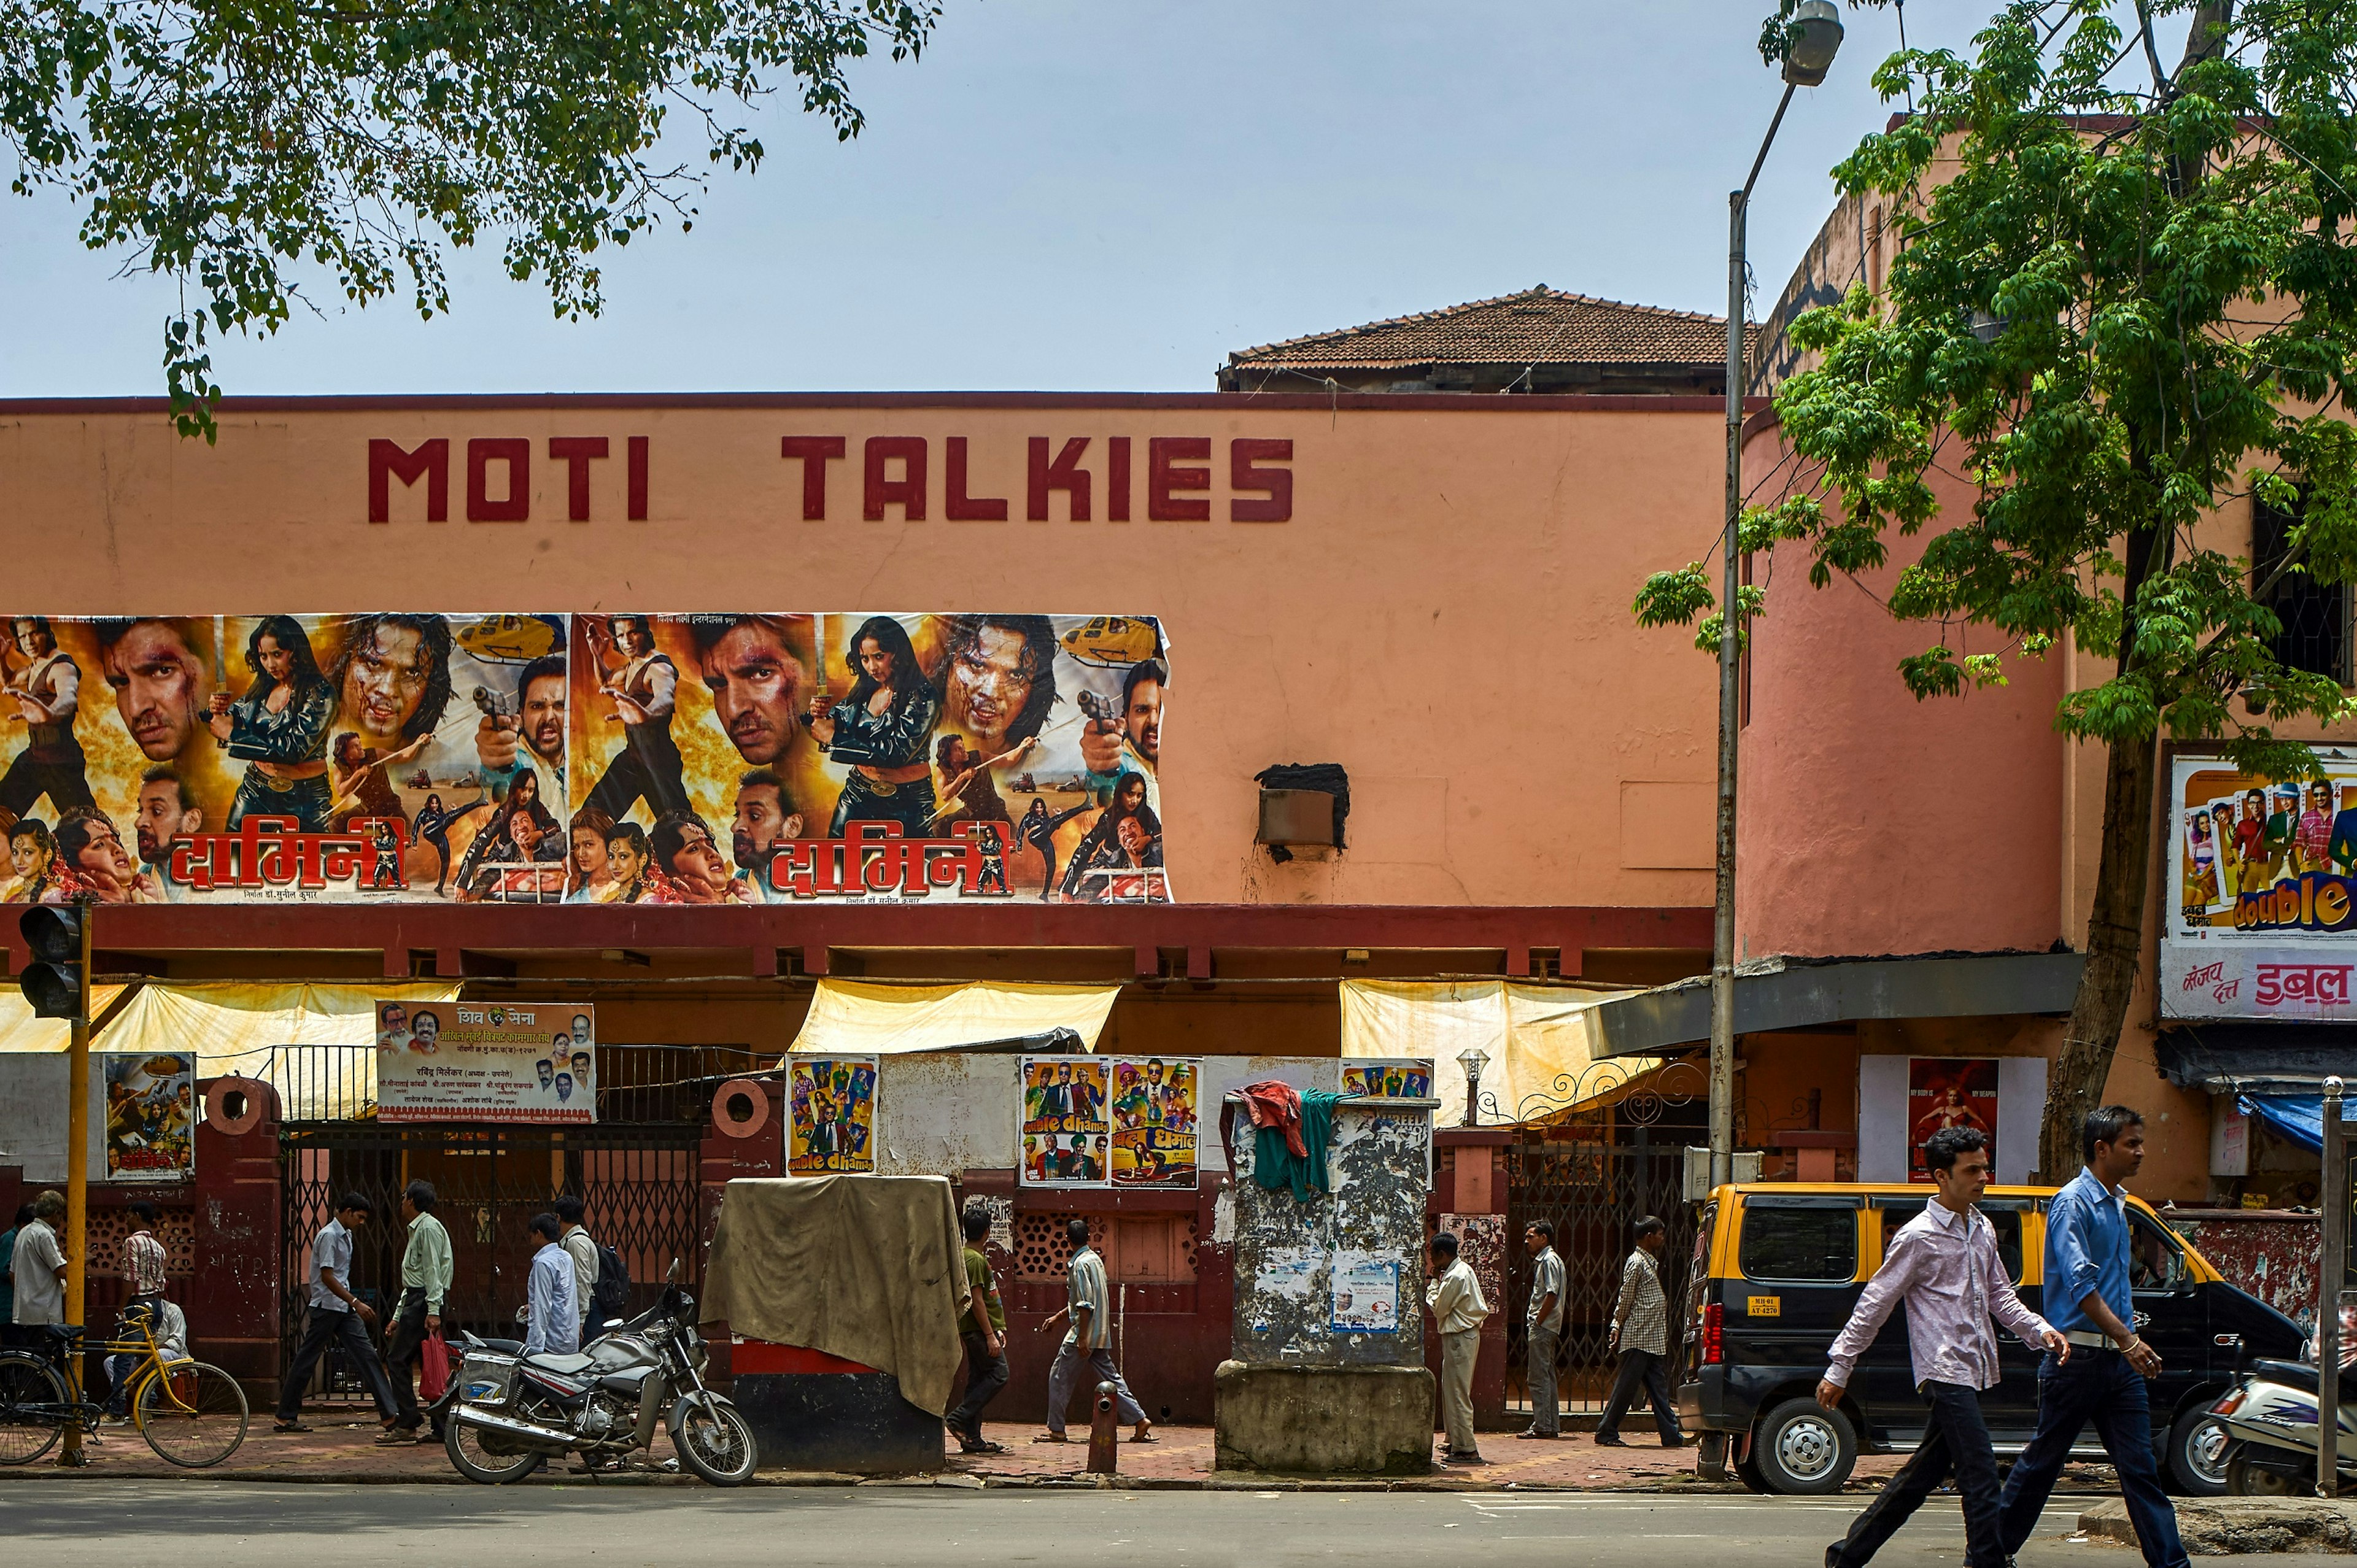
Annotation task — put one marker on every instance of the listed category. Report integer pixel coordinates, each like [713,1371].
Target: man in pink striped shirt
[143,1269]
[1943,1263]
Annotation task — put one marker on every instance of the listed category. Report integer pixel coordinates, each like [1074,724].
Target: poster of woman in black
[279,728]
[883,731]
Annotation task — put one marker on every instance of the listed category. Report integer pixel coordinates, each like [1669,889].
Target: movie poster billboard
[1154,1113]
[1067,1120]
[2262,915]
[533,1063]
[899,757]
[1944,1093]
[546,758]
[831,1120]
[150,1114]
[1401,1077]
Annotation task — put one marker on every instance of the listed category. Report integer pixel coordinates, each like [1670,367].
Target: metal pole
[2328,1294]
[77,1173]
[1722,930]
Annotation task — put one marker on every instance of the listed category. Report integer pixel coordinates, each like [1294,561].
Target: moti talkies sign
[913,478]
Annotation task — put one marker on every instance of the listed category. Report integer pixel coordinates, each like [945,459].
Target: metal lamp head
[1815,36]
[1472,1058]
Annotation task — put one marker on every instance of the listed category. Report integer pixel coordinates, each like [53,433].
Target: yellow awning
[20,1031]
[235,1027]
[861,1017]
[1540,1039]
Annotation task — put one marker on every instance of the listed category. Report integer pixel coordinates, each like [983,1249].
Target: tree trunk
[2114,946]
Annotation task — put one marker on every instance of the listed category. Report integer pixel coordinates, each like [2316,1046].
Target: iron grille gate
[638,1184]
[1590,1192]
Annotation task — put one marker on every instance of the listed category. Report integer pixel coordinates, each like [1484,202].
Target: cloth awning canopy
[2298,1117]
[1546,1055]
[240,1028]
[21,1032]
[858,1017]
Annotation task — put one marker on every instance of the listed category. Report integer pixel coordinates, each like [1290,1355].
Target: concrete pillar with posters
[236,1309]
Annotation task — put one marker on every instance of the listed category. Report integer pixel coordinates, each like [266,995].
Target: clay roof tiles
[1539,325]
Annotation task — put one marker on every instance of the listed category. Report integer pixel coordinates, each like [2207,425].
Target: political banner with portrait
[533,1063]
[150,1107]
[831,1120]
[753,759]
[722,759]
[2262,914]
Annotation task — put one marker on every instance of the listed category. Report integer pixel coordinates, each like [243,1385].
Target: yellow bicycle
[192,1414]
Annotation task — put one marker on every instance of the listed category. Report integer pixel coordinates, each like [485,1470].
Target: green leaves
[254,149]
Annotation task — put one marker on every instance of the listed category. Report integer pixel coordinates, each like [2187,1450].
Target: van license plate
[1765,1306]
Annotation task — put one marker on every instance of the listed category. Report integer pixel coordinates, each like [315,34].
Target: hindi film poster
[831,1116]
[1067,1121]
[1944,1093]
[2263,883]
[1404,1078]
[1153,1114]
[151,1111]
[1365,1294]
[533,1063]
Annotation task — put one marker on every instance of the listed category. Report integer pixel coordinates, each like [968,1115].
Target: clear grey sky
[1106,195]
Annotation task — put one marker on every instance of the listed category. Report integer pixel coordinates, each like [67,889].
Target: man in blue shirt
[2088,1297]
[552,1316]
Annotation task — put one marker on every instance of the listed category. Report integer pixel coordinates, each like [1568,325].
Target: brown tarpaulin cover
[864,1267]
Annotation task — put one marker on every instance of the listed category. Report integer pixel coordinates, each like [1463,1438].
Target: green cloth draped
[1276,1167]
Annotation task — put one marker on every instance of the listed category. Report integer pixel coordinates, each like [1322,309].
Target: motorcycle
[511,1413]
[2270,1418]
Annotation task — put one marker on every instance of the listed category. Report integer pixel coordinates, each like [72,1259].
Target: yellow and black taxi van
[1778,1267]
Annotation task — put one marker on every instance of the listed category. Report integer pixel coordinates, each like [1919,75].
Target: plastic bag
[432,1367]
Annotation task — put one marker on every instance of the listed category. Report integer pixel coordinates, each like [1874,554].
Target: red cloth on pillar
[1273,1102]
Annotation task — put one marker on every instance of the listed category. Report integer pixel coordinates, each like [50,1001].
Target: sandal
[396,1437]
[1052,1437]
[288,1426]
[983,1447]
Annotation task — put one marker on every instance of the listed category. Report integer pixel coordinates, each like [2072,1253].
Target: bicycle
[192,1414]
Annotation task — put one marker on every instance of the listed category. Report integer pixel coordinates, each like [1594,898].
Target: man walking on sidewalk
[37,1266]
[1945,1264]
[424,1281]
[1088,1344]
[336,1318]
[2101,1378]
[582,1248]
[1544,1327]
[1640,1334]
[982,1326]
[1454,1299]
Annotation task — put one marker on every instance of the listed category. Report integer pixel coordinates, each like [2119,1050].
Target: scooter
[2270,1418]
[511,1413]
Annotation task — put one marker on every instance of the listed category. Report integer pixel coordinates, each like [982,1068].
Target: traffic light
[52,983]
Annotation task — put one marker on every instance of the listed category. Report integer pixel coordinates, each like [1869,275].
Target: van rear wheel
[1804,1449]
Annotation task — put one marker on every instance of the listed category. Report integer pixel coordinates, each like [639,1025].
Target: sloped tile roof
[1539,325]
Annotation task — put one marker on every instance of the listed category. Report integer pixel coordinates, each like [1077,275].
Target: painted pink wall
[1883,824]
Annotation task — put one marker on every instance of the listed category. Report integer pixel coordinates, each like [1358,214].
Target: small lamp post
[1472,1058]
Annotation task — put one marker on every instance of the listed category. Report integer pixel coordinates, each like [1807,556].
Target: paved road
[226,1525]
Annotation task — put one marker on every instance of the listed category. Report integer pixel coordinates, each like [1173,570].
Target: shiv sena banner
[550,758]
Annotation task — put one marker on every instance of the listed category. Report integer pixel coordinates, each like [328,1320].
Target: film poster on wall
[1944,1093]
[549,758]
[151,1111]
[531,1063]
[1109,1122]
[2263,884]
[831,1116]
[1402,1078]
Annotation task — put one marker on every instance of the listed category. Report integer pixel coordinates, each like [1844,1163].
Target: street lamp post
[1816,37]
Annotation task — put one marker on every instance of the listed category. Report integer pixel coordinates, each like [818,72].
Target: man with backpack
[601,1284]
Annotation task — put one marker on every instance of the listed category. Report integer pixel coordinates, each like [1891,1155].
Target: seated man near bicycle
[170,1328]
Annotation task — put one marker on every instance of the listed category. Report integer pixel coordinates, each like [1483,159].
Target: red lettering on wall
[576,453]
[908,491]
[1164,479]
[638,461]
[1277,483]
[961,507]
[815,451]
[1118,479]
[1064,474]
[388,462]
[516,453]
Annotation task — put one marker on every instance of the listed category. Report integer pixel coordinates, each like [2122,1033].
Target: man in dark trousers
[424,1281]
[2102,1378]
[982,1324]
[336,1318]
[1943,1263]
[1640,1337]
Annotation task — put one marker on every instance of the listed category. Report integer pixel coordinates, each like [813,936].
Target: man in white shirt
[1544,1327]
[1454,1299]
[582,1248]
[553,1318]
[1088,1343]
[39,1265]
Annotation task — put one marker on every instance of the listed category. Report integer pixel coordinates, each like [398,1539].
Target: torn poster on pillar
[831,1120]
[150,1114]
[1366,1294]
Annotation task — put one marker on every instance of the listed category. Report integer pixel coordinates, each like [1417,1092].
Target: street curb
[2229,1526]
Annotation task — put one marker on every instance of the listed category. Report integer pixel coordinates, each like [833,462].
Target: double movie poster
[831,1116]
[1099,1122]
[548,758]
[2263,879]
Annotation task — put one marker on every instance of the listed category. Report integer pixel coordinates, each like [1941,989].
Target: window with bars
[2315,616]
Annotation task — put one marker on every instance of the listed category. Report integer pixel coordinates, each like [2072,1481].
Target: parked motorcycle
[2270,1419]
[512,1411]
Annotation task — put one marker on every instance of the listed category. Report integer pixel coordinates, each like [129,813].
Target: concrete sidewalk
[340,1448]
